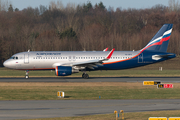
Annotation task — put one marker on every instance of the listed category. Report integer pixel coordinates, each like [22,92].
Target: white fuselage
[51,59]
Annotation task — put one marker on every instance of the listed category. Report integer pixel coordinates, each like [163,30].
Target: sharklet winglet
[106,49]
[110,54]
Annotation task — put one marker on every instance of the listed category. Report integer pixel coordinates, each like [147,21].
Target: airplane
[68,62]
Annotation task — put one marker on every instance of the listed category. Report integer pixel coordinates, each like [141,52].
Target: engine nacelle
[64,70]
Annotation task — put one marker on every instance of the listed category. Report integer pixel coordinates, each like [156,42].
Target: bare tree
[174,5]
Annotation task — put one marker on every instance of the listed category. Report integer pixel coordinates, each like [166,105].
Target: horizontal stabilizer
[157,57]
[165,56]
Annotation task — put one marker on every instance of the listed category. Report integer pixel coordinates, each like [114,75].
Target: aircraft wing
[92,63]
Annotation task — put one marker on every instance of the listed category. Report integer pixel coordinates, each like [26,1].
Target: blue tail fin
[160,41]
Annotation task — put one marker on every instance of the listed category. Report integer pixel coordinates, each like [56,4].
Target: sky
[124,4]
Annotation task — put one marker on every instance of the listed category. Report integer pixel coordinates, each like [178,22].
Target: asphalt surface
[94,79]
[63,108]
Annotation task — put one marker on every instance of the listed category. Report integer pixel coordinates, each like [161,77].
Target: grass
[127,116]
[113,90]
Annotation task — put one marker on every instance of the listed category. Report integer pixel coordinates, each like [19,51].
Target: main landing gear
[27,74]
[85,76]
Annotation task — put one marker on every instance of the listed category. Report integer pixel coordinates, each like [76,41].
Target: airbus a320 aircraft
[67,62]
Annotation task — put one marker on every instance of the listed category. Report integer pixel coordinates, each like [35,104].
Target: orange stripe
[123,60]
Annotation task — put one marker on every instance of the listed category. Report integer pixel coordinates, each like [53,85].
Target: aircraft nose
[7,64]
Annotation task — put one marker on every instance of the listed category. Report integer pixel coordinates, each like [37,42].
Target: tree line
[83,27]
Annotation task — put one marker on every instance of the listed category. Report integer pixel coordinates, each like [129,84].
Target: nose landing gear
[27,74]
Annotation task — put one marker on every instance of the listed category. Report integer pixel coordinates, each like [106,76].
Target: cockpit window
[14,57]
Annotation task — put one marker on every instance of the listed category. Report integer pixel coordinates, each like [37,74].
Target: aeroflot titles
[48,53]
[58,54]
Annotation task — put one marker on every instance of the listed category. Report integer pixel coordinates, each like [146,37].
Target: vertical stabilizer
[160,41]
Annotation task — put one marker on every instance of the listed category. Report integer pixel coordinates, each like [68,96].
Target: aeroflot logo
[48,53]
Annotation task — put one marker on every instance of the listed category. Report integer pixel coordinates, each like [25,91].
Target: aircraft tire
[86,76]
[26,76]
[83,75]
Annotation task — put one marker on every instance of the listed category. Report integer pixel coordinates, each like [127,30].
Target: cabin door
[140,58]
[72,58]
[26,58]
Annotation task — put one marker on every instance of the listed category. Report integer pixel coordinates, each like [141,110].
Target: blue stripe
[167,35]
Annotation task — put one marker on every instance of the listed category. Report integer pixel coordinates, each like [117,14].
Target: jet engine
[64,70]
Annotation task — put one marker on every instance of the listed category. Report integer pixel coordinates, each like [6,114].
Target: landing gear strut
[85,76]
[27,74]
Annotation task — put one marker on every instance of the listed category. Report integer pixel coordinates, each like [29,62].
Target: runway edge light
[115,112]
[121,111]
[157,118]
